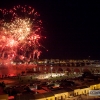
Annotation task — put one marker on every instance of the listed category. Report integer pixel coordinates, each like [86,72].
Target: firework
[20,30]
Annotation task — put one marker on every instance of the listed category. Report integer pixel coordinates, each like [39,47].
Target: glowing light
[20,30]
[11,42]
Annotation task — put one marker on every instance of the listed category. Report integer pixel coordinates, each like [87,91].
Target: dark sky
[72,28]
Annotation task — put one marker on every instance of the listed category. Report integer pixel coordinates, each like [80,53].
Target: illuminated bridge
[51,66]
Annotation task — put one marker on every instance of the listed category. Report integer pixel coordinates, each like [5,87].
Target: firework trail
[20,30]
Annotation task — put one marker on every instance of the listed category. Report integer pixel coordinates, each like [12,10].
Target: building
[73,92]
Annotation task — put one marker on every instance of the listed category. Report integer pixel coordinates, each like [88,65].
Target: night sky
[72,28]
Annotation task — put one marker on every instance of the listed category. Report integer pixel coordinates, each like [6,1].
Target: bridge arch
[53,70]
[76,70]
[68,70]
[86,70]
[60,70]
